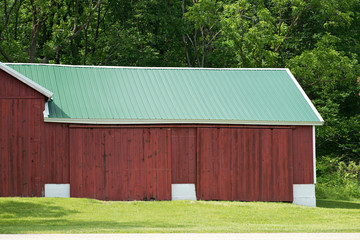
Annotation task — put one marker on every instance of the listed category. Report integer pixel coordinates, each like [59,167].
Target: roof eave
[180,121]
[305,96]
[26,81]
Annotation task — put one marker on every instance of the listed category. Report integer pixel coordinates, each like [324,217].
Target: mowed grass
[50,215]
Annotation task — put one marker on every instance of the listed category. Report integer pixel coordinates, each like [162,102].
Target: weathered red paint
[244,164]
[55,153]
[120,164]
[183,155]
[137,162]
[12,88]
[21,124]
[303,155]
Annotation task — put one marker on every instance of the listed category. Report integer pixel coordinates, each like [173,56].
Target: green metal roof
[92,94]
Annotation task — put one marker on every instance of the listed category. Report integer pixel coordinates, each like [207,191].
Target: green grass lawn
[49,215]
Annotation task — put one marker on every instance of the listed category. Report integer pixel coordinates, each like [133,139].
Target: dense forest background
[319,41]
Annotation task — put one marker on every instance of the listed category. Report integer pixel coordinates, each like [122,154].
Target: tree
[202,28]
[331,80]
[258,30]
[47,19]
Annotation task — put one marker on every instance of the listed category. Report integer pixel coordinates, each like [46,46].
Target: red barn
[127,133]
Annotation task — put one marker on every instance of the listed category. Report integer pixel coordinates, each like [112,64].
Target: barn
[131,133]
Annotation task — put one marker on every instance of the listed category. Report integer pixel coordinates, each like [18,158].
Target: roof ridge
[149,68]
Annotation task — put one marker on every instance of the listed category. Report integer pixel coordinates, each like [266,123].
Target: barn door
[120,163]
[246,164]
[183,163]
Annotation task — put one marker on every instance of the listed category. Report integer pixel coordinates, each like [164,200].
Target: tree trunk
[77,30]
[7,57]
[35,30]
[183,36]
[86,46]
[202,47]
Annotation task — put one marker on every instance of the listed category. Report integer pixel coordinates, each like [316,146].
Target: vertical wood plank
[99,168]
[76,162]
[183,155]
[199,176]
[235,148]
[266,165]
[303,155]
[224,164]
[168,164]
[4,148]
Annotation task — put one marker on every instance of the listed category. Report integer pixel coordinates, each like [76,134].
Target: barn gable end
[11,87]
[135,132]
[21,127]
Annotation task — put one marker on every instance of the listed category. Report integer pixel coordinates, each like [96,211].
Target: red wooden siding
[120,164]
[244,164]
[55,153]
[183,155]
[303,155]
[21,124]
[11,87]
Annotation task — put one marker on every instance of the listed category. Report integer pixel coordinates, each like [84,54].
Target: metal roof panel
[172,94]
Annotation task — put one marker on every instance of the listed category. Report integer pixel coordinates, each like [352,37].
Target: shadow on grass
[337,204]
[15,209]
[27,217]
[81,226]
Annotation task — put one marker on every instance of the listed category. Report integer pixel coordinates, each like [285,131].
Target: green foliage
[201,32]
[251,32]
[337,179]
[141,33]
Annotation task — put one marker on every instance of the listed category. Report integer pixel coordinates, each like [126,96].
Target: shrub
[337,179]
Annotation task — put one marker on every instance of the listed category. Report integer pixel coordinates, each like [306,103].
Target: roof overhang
[305,96]
[26,80]
[178,121]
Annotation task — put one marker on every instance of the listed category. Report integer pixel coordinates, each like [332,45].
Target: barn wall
[120,163]
[303,155]
[11,87]
[21,124]
[138,162]
[55,153]
[245,164]
[183,155]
